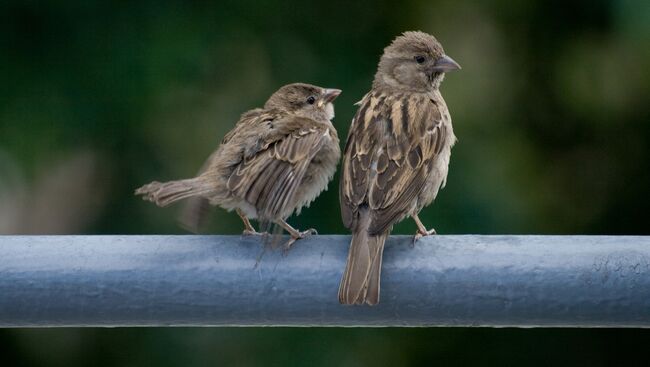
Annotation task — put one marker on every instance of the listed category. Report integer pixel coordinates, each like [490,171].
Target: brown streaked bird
[275,161]
[396,156]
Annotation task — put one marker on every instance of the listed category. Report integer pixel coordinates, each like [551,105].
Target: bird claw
[292,240]
[419,234]
[248,232]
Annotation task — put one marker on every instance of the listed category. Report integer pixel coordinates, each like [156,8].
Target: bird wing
[273,168]
[391,149]
[196,209]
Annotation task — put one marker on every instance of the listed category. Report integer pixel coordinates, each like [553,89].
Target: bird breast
[320,171]
[438,174]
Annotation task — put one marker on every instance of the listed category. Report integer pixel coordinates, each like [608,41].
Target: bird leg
[295,234]
[422,230]
[249,230]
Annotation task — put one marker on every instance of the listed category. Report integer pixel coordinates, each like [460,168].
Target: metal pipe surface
[520,281]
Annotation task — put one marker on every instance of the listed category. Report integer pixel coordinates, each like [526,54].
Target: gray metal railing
[521,281]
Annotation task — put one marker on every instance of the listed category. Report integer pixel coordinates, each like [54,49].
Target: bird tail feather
[361,280]
[165,193]
[194,214]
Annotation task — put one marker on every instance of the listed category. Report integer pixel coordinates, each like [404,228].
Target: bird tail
[194,214]
[165,193]
[360,282]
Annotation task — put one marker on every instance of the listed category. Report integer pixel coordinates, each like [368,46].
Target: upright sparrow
[396,156]
[275,161]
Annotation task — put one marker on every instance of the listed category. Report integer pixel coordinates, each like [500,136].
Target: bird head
[414,61]
[305,100]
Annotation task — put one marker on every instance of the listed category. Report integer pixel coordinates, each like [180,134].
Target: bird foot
[248,232]
[298,236]
[419,234]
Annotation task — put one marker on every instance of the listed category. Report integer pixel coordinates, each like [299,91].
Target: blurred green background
[552,111]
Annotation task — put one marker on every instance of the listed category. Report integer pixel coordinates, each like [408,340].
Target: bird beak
[445,64]
[329,95]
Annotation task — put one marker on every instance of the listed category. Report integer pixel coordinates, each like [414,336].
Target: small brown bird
[396,156]
[275,161]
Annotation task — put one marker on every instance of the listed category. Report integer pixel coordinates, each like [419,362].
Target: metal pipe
[520,281]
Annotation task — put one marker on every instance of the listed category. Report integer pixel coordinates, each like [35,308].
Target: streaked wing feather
[387,159]
[270,178]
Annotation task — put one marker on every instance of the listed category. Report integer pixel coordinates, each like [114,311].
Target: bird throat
[436,79]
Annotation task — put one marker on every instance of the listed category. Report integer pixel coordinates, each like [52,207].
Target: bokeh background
[552,110]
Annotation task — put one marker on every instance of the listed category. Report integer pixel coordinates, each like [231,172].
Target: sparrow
[396,156]
[275,161]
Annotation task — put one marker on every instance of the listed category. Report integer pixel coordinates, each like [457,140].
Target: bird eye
[419,59]
[311,100]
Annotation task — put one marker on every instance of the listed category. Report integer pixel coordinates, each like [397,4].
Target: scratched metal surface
[521,281]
